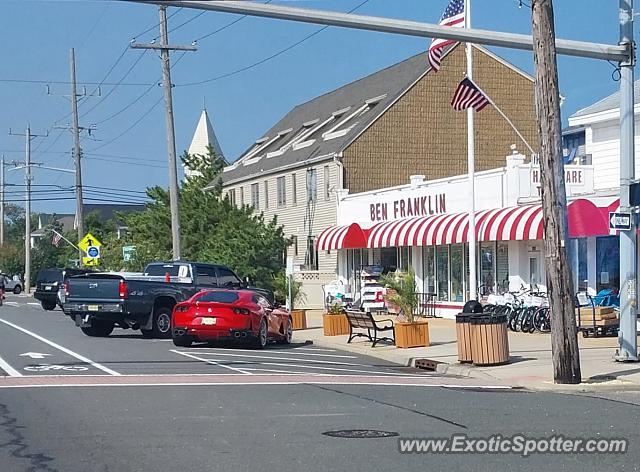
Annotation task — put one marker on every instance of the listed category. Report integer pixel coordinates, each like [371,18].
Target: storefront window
[502,267]
[608,263]
[428,269]
[583,271]
[456,273]
[442,272]
[389,259]
[487,269]
[404,258]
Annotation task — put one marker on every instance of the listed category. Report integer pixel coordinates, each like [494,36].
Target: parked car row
[181,300]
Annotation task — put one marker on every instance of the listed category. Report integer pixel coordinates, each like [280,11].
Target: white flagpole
[471,166]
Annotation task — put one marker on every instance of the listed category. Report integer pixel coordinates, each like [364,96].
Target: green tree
[212,229]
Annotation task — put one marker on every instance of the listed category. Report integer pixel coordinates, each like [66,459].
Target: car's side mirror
[246,282]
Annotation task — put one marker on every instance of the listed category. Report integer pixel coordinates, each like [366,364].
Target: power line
[116,189]
[126,74]
[151,28]
[225,26]
[266,59]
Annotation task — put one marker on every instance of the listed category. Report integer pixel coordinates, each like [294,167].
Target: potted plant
[281,293]
[334,321]
[403,294]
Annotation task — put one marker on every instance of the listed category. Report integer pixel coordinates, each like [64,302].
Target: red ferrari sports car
[229,314]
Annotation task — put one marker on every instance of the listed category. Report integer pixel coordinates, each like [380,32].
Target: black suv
[49,281]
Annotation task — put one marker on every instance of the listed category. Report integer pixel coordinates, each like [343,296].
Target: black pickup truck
[98,302]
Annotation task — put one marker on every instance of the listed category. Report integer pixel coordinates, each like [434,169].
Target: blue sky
[37,36]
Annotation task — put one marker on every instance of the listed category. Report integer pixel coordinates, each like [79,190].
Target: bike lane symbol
[54,367]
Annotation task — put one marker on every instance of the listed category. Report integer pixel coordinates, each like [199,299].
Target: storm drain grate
[360,433]
[427,364]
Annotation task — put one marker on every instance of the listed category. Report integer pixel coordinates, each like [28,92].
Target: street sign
[128,252]
[89,241]
[90,261]
[93,251]
[621,221]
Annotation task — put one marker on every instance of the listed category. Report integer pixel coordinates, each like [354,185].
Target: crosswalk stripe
[278,358]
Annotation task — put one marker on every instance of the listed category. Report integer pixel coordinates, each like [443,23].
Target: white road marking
[4,365]
[208,361]
[270,351]
[297,359]
[330,380]
[62,348]
[11,303]
[222,363]
[314,349]
[33,303]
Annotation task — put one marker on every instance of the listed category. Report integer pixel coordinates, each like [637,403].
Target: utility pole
[2,202]
[628,340]
[564,339]
[75,129]
[27,204]
[164,48]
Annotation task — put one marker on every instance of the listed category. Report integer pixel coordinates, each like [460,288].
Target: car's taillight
[182,308]
[240,311]
[123,291]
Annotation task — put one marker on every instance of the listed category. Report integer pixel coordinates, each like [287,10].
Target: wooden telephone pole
[564,339]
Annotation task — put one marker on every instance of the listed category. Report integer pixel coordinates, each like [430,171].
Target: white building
[425,225]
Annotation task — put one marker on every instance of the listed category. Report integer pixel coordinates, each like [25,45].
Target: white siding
[292,216]
[603,143]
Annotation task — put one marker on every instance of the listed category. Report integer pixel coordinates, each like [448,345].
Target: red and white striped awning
[341,237]
[500,224]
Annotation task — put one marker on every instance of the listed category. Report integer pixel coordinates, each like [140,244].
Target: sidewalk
[530,364]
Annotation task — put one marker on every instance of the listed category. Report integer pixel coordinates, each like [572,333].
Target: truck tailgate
[93,288]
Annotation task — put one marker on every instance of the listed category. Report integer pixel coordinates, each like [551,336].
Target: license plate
[93,308]
[208,321]
[47,287]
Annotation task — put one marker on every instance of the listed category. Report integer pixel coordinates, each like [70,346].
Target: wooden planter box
[414,334]
[335,325]
[299,318]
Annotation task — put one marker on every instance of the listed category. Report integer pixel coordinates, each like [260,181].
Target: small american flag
[56,239]
[468,95]
[453,16]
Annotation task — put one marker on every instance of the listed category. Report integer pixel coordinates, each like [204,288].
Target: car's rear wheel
[261,340]
[182,341]
[17,289]
[98,329]
[162,322]
[288,332]
[48,305]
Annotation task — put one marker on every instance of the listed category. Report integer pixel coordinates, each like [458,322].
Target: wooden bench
[363,320]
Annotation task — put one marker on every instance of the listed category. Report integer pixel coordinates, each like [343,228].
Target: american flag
[56,239]
[453,16]
[469,95]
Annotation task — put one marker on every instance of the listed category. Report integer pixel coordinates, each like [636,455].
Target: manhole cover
[360,433]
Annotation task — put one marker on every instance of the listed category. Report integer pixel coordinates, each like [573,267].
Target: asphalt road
[117,409]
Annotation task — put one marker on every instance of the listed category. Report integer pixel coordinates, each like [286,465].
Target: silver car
[12,284]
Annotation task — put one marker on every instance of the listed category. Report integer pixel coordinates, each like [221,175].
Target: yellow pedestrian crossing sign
[88,241]
[91,261]
[90,245]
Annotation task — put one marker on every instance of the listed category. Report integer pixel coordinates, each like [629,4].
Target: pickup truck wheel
[261,340]
[162,322]
[98,329]
[48,305]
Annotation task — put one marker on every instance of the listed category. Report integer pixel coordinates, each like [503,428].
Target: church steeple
[203,136]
